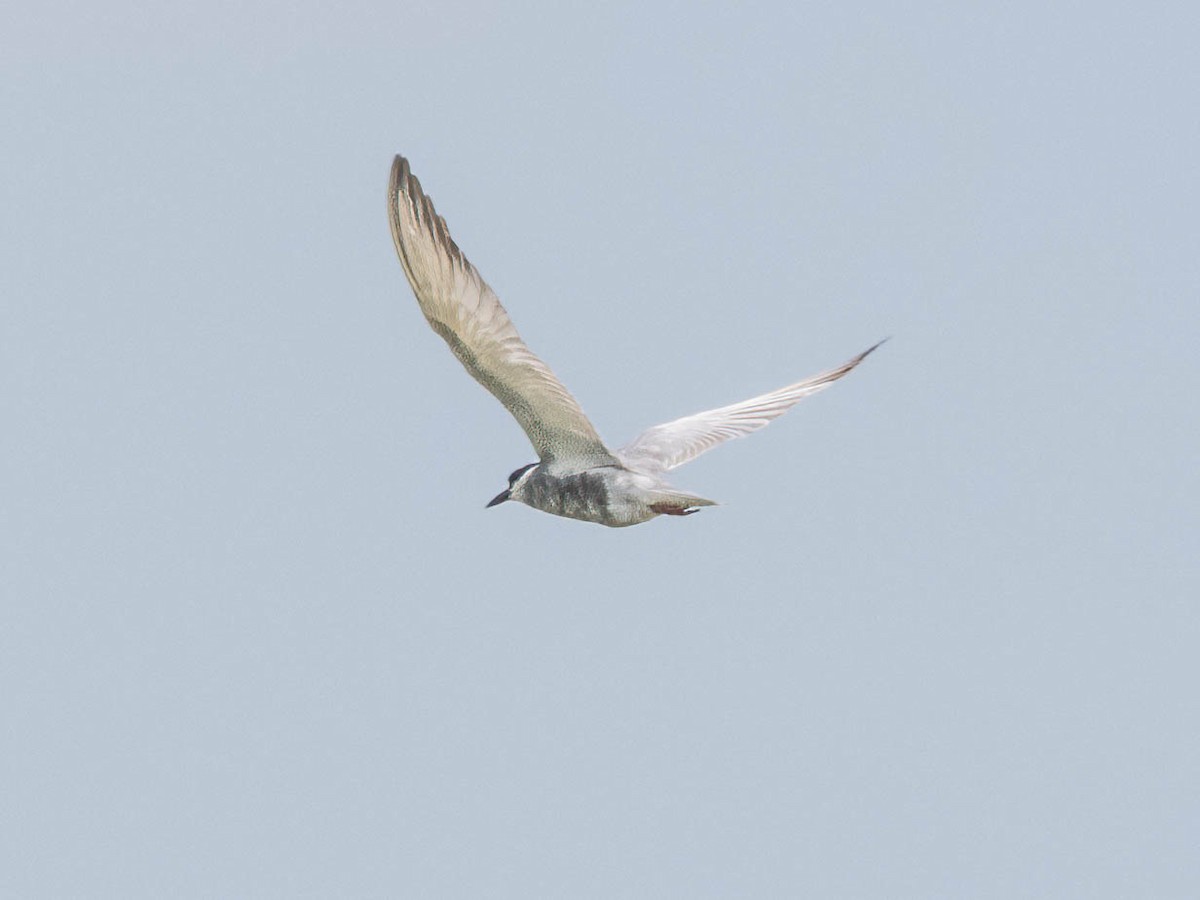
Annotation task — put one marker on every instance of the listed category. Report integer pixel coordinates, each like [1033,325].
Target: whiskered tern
[576,475]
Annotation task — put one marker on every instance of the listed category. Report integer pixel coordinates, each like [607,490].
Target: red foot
[666,509]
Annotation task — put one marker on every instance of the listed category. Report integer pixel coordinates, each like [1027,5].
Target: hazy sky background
[259,636]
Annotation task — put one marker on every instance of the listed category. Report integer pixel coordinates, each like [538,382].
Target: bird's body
[577,475]
[610,495]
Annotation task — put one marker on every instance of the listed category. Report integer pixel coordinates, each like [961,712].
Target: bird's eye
[517,474]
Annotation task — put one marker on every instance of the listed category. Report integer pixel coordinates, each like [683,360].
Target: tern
[576,474]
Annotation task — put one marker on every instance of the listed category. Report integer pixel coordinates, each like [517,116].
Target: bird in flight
[576,474]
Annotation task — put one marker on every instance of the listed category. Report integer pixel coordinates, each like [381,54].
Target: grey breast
[583,495]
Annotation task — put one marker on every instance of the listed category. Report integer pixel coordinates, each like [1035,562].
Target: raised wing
[674,443]
[468,315]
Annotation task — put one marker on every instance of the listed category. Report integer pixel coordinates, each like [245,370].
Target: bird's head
[516,485]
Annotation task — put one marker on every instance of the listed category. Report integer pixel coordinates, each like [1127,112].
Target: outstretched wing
[468,315]
[674,443]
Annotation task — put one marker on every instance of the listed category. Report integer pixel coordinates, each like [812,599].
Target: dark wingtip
[399,174]
[854,362]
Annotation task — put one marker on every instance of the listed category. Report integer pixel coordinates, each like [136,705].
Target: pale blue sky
[261,639]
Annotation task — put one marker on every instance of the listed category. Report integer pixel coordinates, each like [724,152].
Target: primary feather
[467,314]
[672,444]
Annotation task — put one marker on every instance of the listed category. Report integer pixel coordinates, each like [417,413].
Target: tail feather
[678,503]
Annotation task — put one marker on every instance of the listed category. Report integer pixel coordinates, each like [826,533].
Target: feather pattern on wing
[674,443]
[468,315]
